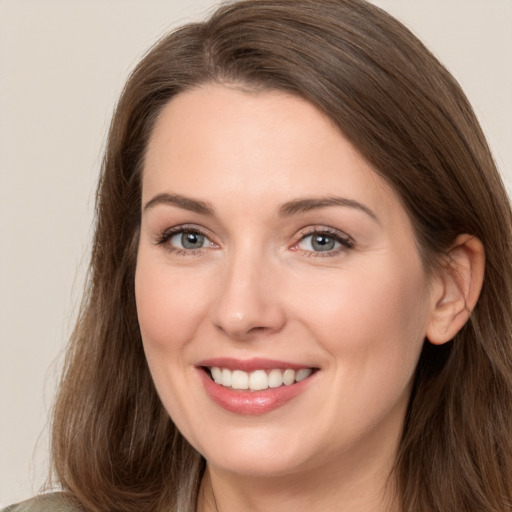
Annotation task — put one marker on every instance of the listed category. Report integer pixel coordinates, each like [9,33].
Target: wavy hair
[114,446]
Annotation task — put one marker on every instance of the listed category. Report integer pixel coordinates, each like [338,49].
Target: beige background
[62,66]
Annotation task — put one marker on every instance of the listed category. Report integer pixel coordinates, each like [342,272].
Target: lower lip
[251,403]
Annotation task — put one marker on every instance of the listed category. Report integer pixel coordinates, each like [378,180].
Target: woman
[300,283]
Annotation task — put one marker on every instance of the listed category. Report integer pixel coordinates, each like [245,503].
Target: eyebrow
[288,209]
[180,201]
[307,204]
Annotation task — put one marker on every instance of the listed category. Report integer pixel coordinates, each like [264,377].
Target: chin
[257,466]
[257,455]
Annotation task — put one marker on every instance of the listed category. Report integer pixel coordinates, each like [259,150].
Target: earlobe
[457,288]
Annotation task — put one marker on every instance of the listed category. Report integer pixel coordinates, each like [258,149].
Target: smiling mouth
[257,380]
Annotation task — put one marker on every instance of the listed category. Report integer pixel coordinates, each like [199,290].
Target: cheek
[371,319]
[372,326]
[169,305]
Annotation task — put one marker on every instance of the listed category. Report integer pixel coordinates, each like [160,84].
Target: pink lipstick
[255,386]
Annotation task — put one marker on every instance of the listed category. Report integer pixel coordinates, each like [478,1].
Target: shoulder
[54,502]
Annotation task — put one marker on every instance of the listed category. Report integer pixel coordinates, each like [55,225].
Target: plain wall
[62,66]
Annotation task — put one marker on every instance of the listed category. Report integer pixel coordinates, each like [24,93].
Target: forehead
[221,143]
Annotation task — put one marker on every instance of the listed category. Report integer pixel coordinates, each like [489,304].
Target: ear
[456,289]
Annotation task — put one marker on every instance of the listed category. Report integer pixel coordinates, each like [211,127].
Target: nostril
[258,329]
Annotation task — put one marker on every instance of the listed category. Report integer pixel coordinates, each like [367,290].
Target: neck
[362,489]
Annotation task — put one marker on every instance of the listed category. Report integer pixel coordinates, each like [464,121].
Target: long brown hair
[114,446]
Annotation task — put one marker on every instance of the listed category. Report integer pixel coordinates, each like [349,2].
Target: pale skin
[255,178]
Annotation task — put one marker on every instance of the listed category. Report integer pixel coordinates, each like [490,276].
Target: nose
[249,300]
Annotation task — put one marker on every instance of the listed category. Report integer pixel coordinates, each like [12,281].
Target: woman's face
[272,256]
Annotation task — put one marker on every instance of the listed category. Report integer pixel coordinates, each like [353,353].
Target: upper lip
[249,365]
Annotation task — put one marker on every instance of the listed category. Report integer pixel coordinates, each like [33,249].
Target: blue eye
[319,242]
[189,240]
[326,242]
[185,240]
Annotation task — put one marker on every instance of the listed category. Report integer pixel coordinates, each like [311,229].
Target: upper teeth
[258,379]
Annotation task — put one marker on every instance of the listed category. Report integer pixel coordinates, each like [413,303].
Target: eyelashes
[185,240]
[321,241]
[314,241]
